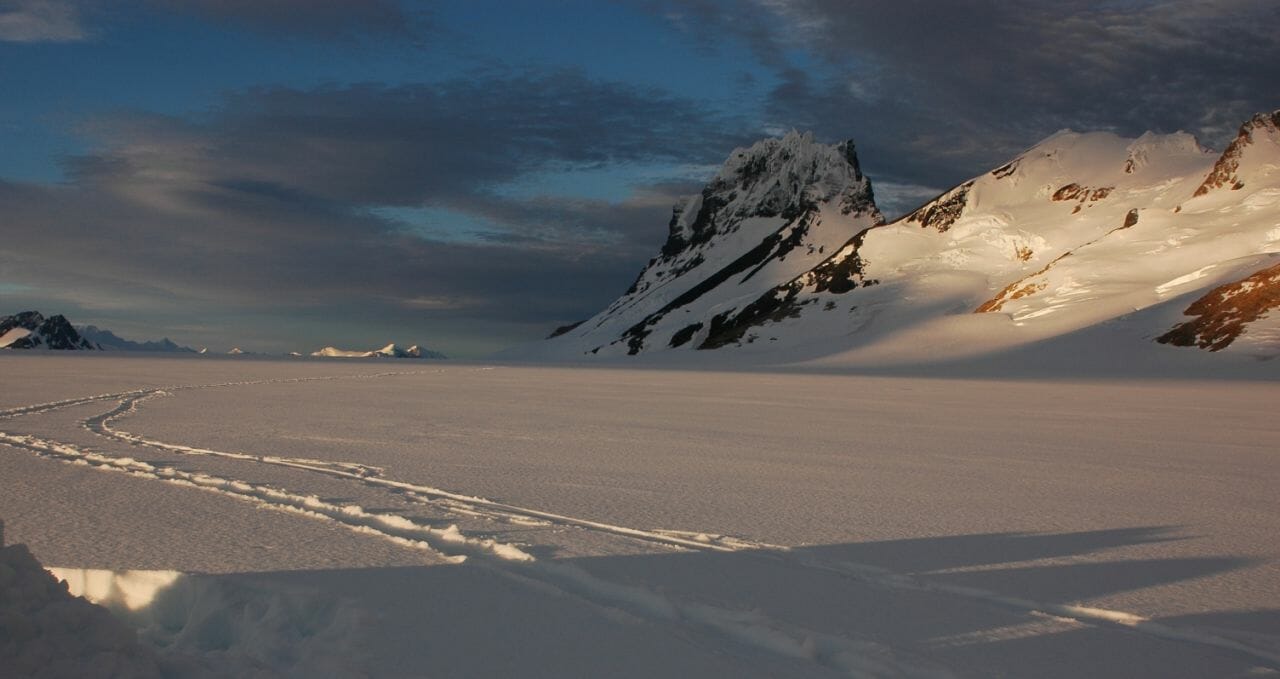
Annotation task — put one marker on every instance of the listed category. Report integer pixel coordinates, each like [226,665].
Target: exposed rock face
[1018,289]
[563,329]
[1226,312]
[775,210]
[940,213]
[786,178]
[841,273]
[1079,193]
[1226,171]
[31,330]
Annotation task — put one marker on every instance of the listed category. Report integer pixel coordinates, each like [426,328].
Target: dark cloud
[324,19]
[937,91]
[109,250]
[406,145]
[279,200]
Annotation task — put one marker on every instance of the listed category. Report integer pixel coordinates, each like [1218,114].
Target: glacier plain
[257,517]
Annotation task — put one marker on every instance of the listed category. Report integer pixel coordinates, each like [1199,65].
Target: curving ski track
[850,656]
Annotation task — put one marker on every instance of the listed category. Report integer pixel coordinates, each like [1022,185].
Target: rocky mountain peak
[779,177]
[1226,172]
[31,330]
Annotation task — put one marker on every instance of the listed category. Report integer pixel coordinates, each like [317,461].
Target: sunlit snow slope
[1081,230]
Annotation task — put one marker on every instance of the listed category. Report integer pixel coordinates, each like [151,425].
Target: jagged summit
[774,210]
[772,178]
[31,330]
[1254,147]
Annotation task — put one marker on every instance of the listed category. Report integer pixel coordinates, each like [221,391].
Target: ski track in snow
[851,656]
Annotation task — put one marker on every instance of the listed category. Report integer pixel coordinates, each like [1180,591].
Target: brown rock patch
[1226,311]
[1224,171]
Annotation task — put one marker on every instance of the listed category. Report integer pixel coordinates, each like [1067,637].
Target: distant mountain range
[389,351]
[31,330]
[109,341]
[1154,243]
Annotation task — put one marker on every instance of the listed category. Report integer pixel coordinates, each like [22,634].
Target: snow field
[833,547]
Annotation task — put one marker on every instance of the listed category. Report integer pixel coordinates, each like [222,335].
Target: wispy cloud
[324,19]
[285,198]
[40,21]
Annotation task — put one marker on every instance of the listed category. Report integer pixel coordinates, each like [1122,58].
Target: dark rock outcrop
[54,332]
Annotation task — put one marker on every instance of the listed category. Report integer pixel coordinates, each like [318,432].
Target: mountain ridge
[31,330]
[108,340]
[1077,230]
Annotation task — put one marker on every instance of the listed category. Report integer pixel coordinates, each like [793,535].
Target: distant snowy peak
[1163,151]
[395,351]
[389,351]
[416,351]
[109,341]
[31,330]
[774,210]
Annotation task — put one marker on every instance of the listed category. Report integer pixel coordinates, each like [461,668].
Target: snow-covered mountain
[31,330]
[109,341]
[784,255]
[774,211]
[389,351]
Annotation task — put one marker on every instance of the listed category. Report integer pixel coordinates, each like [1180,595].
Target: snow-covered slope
[31,330]
[1081,229]
[775,210]
[389,351]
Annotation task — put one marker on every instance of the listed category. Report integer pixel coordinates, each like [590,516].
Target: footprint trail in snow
[753,628]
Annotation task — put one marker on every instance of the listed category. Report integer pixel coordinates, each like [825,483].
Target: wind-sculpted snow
[47,632]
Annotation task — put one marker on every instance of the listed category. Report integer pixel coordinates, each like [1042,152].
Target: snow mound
[45,631]
[226,626]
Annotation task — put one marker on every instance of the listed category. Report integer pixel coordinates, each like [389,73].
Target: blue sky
[283,174]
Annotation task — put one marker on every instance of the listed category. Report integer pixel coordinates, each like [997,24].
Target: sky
[281,175]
